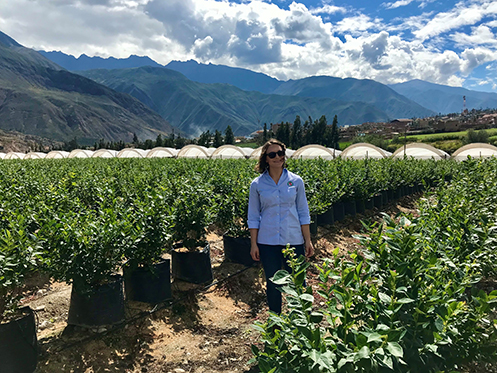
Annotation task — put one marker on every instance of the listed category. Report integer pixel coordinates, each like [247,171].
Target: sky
[441,41]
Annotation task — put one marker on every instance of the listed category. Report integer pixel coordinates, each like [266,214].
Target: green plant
[19,254]
[191,214]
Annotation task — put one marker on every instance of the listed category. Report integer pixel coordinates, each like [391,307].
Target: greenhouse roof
[132,153]
[105,153]
[35,155]
[80,153]
[57,154]
[364,150]
[161,152]
[316,151]
[195,151]
[231,151]
[476,150]
[14,155]
[420,151]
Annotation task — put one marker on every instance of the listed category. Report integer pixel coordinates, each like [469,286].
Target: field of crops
[408,301]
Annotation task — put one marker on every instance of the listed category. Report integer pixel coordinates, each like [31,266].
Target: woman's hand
[309,249]
[254,253]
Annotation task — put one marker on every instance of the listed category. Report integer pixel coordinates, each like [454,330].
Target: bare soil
[202,330]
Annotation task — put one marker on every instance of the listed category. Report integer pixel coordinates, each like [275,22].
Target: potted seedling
[147,275]
[19,251]
[86,250]
[190,217]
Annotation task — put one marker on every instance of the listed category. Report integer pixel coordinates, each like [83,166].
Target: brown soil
[204,330]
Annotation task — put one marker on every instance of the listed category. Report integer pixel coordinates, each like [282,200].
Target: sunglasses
[279,153]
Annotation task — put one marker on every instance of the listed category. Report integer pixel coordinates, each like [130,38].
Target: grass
[445,135]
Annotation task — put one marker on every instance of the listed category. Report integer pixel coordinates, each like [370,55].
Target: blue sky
[445,42]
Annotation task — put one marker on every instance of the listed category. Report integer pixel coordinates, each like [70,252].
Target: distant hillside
[195,107]
[368,91]
[38,97]
[242,78]
[11,141]
[84,62]
[444,99]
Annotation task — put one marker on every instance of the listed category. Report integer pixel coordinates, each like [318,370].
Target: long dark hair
[262,164]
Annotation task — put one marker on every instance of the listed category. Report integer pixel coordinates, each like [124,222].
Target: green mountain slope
[196,107]
[381,96]
[38,97]
[444,99]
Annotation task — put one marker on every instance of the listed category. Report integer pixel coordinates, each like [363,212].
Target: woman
[278,215]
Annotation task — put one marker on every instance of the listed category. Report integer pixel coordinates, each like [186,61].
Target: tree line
[298,134]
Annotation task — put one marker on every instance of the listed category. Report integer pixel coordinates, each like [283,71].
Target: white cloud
[328,9]
[397,4]
[285,43]
[480,35]
[462,15]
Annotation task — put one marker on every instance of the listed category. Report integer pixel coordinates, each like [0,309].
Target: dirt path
[203,331]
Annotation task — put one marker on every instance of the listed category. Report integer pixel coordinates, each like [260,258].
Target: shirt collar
[283,177]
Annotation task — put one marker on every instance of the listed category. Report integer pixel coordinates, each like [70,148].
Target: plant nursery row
[82,221]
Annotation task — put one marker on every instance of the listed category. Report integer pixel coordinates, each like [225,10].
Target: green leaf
[281,278]
[405,300]
[395,349]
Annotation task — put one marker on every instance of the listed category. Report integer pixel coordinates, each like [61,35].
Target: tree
[319,131]
[229,138]
[218,139]
[135,140]
[264,134]
[179,142]
[205,139]
[296,134]
[473,136]
[283,133]
[158,140]
[335,134]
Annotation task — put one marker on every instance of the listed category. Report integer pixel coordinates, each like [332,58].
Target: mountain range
[439,99]
[38,97]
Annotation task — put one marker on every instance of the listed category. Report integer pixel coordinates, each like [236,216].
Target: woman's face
[277,161]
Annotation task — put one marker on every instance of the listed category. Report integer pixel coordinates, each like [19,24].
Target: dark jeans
[273,260]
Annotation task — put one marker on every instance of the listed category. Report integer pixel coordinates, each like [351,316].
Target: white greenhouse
[195,151]
[161,152]
[314,151]
[231,151]
[364,150]
[80,153]
[35,155]
[256,153]
[2,155]
[57,154]
[14,155]
[420,151]
[476,150]
[104,153]
[132,153]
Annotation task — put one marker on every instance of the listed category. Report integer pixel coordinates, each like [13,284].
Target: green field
[446,135]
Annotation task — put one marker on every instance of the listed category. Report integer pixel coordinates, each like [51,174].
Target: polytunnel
[132,153]
[14,155]
[104,153]
[57,154]
[35,155]
[313,151]
[80,153]
[475,150]
[419,150]
[2,155]
[195,151]
[161,152]
[364,150]
[231,151]
[256,153]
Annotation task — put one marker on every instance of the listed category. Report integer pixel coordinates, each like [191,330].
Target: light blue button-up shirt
[278,210]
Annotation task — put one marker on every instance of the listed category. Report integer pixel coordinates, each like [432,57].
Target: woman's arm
[254,249]
[309,247]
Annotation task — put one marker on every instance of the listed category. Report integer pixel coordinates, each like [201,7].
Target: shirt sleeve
[302,206]
[254,208]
